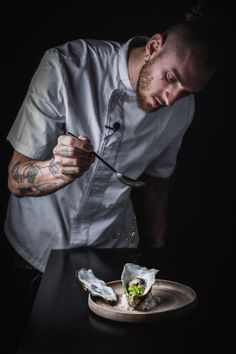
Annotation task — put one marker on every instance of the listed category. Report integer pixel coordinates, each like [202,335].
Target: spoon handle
[99,157]
[106,163]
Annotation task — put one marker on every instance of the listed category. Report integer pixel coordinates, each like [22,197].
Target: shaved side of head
[199,35]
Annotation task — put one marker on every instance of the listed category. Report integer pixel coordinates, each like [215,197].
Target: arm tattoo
[33,181]
[41,189]
[16,172]
[64,150]
[31,173]
[53,168]
[25,190]
[27,170]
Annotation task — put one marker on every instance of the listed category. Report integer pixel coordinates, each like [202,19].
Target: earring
[146,59]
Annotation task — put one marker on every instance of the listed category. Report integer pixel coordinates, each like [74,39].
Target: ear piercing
[146,59]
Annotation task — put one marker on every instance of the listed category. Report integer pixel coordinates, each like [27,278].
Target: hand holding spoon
[135,183]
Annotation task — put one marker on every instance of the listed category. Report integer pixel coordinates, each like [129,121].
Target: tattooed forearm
[16,174]
[32,173]
[39,190]
[24,171]
[35,178]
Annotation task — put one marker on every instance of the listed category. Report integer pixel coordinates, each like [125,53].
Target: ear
[155,43]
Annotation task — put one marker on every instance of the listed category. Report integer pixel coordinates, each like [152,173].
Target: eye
[171,77]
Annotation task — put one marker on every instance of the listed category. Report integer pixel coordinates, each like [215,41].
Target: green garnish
[135,290]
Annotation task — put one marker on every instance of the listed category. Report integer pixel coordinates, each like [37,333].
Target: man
[130,103]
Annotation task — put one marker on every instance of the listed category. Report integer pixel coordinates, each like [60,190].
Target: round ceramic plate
[174,299]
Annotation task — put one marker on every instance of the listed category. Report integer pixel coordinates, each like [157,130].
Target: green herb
[135,290]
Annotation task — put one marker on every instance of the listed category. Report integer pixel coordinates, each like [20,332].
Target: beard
[143,87]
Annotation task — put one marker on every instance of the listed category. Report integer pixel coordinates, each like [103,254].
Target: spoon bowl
[134,183]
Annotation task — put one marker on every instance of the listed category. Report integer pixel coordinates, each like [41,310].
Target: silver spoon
[135,183]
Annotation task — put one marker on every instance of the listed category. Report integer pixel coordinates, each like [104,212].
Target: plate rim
[141,316]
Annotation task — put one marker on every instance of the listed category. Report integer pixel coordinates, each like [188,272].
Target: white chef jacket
[81,87]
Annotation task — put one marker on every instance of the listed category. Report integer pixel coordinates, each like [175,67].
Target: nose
[171,94]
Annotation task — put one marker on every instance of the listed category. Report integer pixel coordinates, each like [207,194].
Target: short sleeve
[41,117]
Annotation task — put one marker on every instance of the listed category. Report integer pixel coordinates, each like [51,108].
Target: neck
[135,63]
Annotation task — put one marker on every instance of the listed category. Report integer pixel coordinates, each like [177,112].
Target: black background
[199,209]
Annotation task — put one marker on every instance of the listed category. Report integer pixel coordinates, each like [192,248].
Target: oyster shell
[96,286]
[137,282]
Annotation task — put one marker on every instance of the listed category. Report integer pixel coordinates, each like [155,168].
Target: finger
[85,143]
[71,151]
[73,162]
[82,142]
[72,171]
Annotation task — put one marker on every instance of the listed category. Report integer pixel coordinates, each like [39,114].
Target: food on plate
[137,282]
[96,286]
[136,285]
